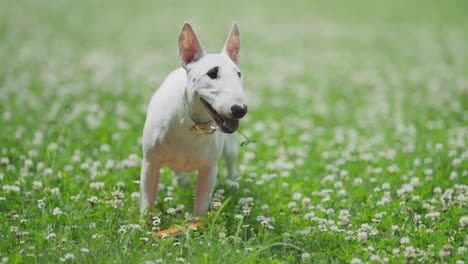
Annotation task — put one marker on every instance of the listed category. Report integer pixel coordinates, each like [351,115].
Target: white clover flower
[232,184]
[366,226]
[28,163]
[118,194]
[338,185]
[135,196]
[433,215]
[11,189]
[349,235]
[171,210]
[123,229]
[344,213]
[84,250]
[375,258]
[52,147]
[51,236]
[393,168]
[461,250]
[386,186]
[464,221]
[297,196]
[222,235]
[453,176]
[40,203]
[156,220]
[37,185]
[69,256]
[216,205]
[409,252]
[115,203]
[305,256]
[405,189]
[135,227]
[104,148]
[415,182]
[362,236]
[445,251]
[238,217]
[110,164]
[356,261]
[75,197]
[404,240]
[310,216]
[93,200]
[4,161]
[456,162]
[358,181]
[96,185]
[55,191]
[57,211]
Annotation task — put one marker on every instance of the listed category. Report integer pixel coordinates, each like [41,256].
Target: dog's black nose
[238,111]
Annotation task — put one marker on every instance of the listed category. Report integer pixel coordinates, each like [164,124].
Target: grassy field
[359,110]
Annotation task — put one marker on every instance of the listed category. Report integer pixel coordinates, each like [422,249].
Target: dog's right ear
[232,46]
[190,49]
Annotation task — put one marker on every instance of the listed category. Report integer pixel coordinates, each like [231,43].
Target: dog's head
[215,79]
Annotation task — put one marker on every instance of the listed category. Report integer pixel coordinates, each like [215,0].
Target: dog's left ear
[232,46]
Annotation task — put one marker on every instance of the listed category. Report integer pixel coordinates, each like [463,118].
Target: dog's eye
[238,73]
[213,72]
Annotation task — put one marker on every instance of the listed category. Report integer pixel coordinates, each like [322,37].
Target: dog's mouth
[226,124]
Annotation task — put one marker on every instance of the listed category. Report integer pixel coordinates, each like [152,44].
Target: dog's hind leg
[231,154]
[149,181]
[205,184]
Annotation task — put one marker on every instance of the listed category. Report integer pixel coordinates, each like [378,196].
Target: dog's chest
[189,152]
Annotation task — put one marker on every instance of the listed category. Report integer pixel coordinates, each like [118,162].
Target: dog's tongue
[231,124]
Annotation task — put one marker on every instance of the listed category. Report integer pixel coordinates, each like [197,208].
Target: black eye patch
[213,72]
[239,73]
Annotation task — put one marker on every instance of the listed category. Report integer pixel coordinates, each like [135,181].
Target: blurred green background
[373,92]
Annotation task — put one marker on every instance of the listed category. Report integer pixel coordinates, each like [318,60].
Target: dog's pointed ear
[190,49]
[232,46]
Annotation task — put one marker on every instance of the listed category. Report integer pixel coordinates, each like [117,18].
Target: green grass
[358,108]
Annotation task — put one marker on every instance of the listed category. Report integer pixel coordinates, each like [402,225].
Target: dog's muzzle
[225,124]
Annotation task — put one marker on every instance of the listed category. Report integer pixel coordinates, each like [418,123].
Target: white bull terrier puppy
[191,118]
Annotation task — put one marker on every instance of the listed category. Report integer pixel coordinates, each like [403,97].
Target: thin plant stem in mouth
[247,141]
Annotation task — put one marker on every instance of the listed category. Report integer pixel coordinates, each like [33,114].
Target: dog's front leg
[149,180]
[205,184]
[230,155]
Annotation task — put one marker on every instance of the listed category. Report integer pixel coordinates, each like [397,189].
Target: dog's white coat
[173,109]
